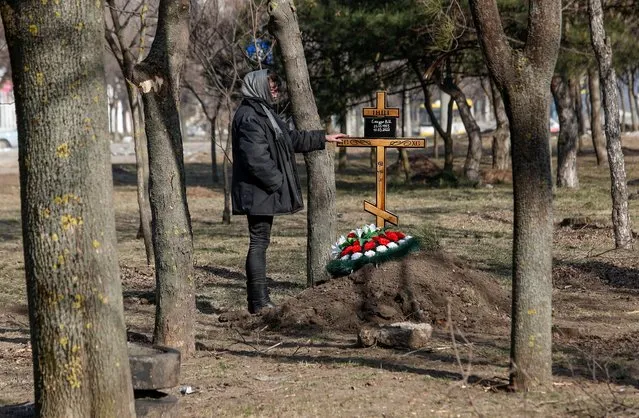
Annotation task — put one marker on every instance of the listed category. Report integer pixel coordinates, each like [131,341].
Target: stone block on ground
[153,367]
[398,335]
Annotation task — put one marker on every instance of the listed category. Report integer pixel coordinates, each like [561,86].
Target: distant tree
[598,138]
[619,190]
[523,76]
[80,358]
[501,135]
[126,41]
[473,156]
[158,76]
[568,133]
[321,217]
[218,40]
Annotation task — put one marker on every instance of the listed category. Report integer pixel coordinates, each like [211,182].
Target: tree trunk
[142,171]
[501,136]
[226,213]
[78,337]
[126,60]
[634,112]
[619,191]
[523,76]
[635,98]
[567,140]
[215,178]
[598,139]
[473,156]
[158,76]
[438,130]
[622,104]
[321,220]
[449,155]
[342,158]
[579,111]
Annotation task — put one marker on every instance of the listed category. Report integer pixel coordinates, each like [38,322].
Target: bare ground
[304,360]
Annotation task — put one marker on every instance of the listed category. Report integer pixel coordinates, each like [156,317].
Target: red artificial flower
[351,235]
[383,241]
[356,247]
[346,250]
[400,235]
[369,245]
[392,236]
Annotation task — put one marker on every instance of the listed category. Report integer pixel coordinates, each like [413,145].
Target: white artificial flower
[408,237]
[381,248]
[401,241]
[369,253]
[372,227]
[341,240]
[355,256]
[346,257]
[358,232]
[392,245]
[366,229]
[335,250]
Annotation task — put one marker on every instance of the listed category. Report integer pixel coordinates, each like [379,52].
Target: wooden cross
[380,121]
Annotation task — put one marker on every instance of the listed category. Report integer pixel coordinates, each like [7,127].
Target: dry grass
[324,375]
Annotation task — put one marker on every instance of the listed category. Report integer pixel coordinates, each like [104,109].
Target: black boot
[257,296]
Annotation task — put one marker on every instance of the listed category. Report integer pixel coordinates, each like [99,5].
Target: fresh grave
[368,244]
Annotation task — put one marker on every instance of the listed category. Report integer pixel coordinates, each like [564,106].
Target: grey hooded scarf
[255,86]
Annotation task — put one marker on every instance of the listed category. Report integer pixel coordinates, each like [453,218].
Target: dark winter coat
[265,179]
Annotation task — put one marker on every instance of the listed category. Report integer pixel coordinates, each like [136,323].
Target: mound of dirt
[420,287]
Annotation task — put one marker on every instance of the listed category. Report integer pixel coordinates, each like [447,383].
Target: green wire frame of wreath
[368,244]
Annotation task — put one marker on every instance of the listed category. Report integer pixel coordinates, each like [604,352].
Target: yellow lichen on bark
[62,150]
[68,221]
[73,371]
[78,301]
[66,198]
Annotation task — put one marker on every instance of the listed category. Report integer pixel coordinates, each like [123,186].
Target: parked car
[8,139]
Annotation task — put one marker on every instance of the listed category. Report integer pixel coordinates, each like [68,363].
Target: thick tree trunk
[501,136]
[598,139]
[158,76]
[142,171]
[531,340]
[568,137]
[619,190]
[473,156]
[580,113]
[524,76]
[80,359]
[321,219]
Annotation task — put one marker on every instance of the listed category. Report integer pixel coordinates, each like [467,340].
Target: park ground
[309,364]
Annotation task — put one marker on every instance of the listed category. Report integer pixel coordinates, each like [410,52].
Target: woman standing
[265,179]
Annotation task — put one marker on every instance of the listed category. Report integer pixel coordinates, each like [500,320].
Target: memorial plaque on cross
[380,125]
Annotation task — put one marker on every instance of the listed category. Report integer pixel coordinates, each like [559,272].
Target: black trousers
[260,235]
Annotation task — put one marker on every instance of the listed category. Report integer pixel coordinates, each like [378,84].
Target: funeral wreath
[368,244]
